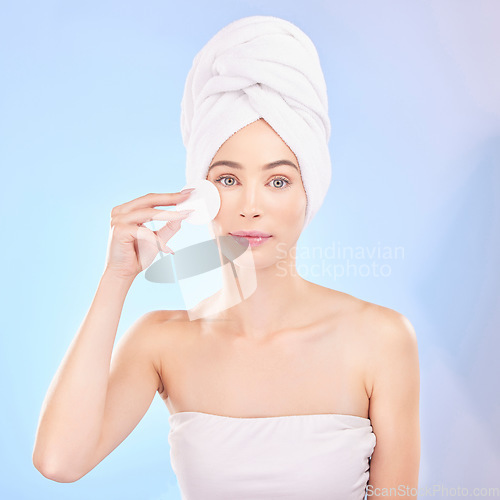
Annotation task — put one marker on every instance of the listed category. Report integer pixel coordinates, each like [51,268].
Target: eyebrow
[237,165]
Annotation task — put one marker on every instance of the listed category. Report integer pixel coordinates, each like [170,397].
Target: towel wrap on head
[259,67]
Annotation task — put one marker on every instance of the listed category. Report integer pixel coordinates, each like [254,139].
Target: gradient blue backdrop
[90,108]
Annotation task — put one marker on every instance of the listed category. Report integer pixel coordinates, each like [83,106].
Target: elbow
[53,471]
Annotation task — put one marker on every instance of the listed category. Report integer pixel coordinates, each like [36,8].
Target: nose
[250,203]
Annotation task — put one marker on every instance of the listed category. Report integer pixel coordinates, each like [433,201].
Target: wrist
[110,275]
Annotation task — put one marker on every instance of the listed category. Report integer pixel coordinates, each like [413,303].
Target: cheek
[293,208]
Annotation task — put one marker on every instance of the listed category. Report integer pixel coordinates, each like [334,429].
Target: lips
[251,238]
[251,234]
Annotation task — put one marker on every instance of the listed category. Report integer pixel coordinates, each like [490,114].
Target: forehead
[258,143]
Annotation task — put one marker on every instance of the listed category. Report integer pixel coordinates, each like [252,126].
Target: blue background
[90,118]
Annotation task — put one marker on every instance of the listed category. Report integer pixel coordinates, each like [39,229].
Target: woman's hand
[132,247]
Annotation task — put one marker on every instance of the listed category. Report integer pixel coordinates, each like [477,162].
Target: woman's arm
[72,413]
[394,406]
[94,402]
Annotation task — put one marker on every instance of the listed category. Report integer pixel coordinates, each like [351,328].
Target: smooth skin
[291,348]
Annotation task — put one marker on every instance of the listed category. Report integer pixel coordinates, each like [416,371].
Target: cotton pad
[204,200]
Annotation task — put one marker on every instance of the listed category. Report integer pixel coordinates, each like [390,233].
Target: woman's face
[256,196]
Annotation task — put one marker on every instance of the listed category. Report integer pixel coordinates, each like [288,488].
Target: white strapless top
[296,457]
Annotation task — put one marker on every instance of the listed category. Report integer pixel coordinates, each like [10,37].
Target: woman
[293,391]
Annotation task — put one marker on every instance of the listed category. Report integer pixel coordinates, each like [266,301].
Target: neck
[260,300]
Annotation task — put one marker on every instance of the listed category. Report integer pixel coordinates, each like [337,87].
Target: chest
[299,372]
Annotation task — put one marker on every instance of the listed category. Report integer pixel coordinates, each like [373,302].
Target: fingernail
[187,190]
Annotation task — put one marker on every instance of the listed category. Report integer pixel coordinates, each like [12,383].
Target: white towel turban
[259,67]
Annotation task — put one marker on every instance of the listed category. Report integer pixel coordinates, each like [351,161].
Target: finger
[148,214]
[168,230]
[164,234]
[152,200]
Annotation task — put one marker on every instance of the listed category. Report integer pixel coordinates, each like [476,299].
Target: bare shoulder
[380,334]
[160,317]
[376,323]
[382,329]
[387,328]
[391,341]
[157,327]
[154,331]
[144,327]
